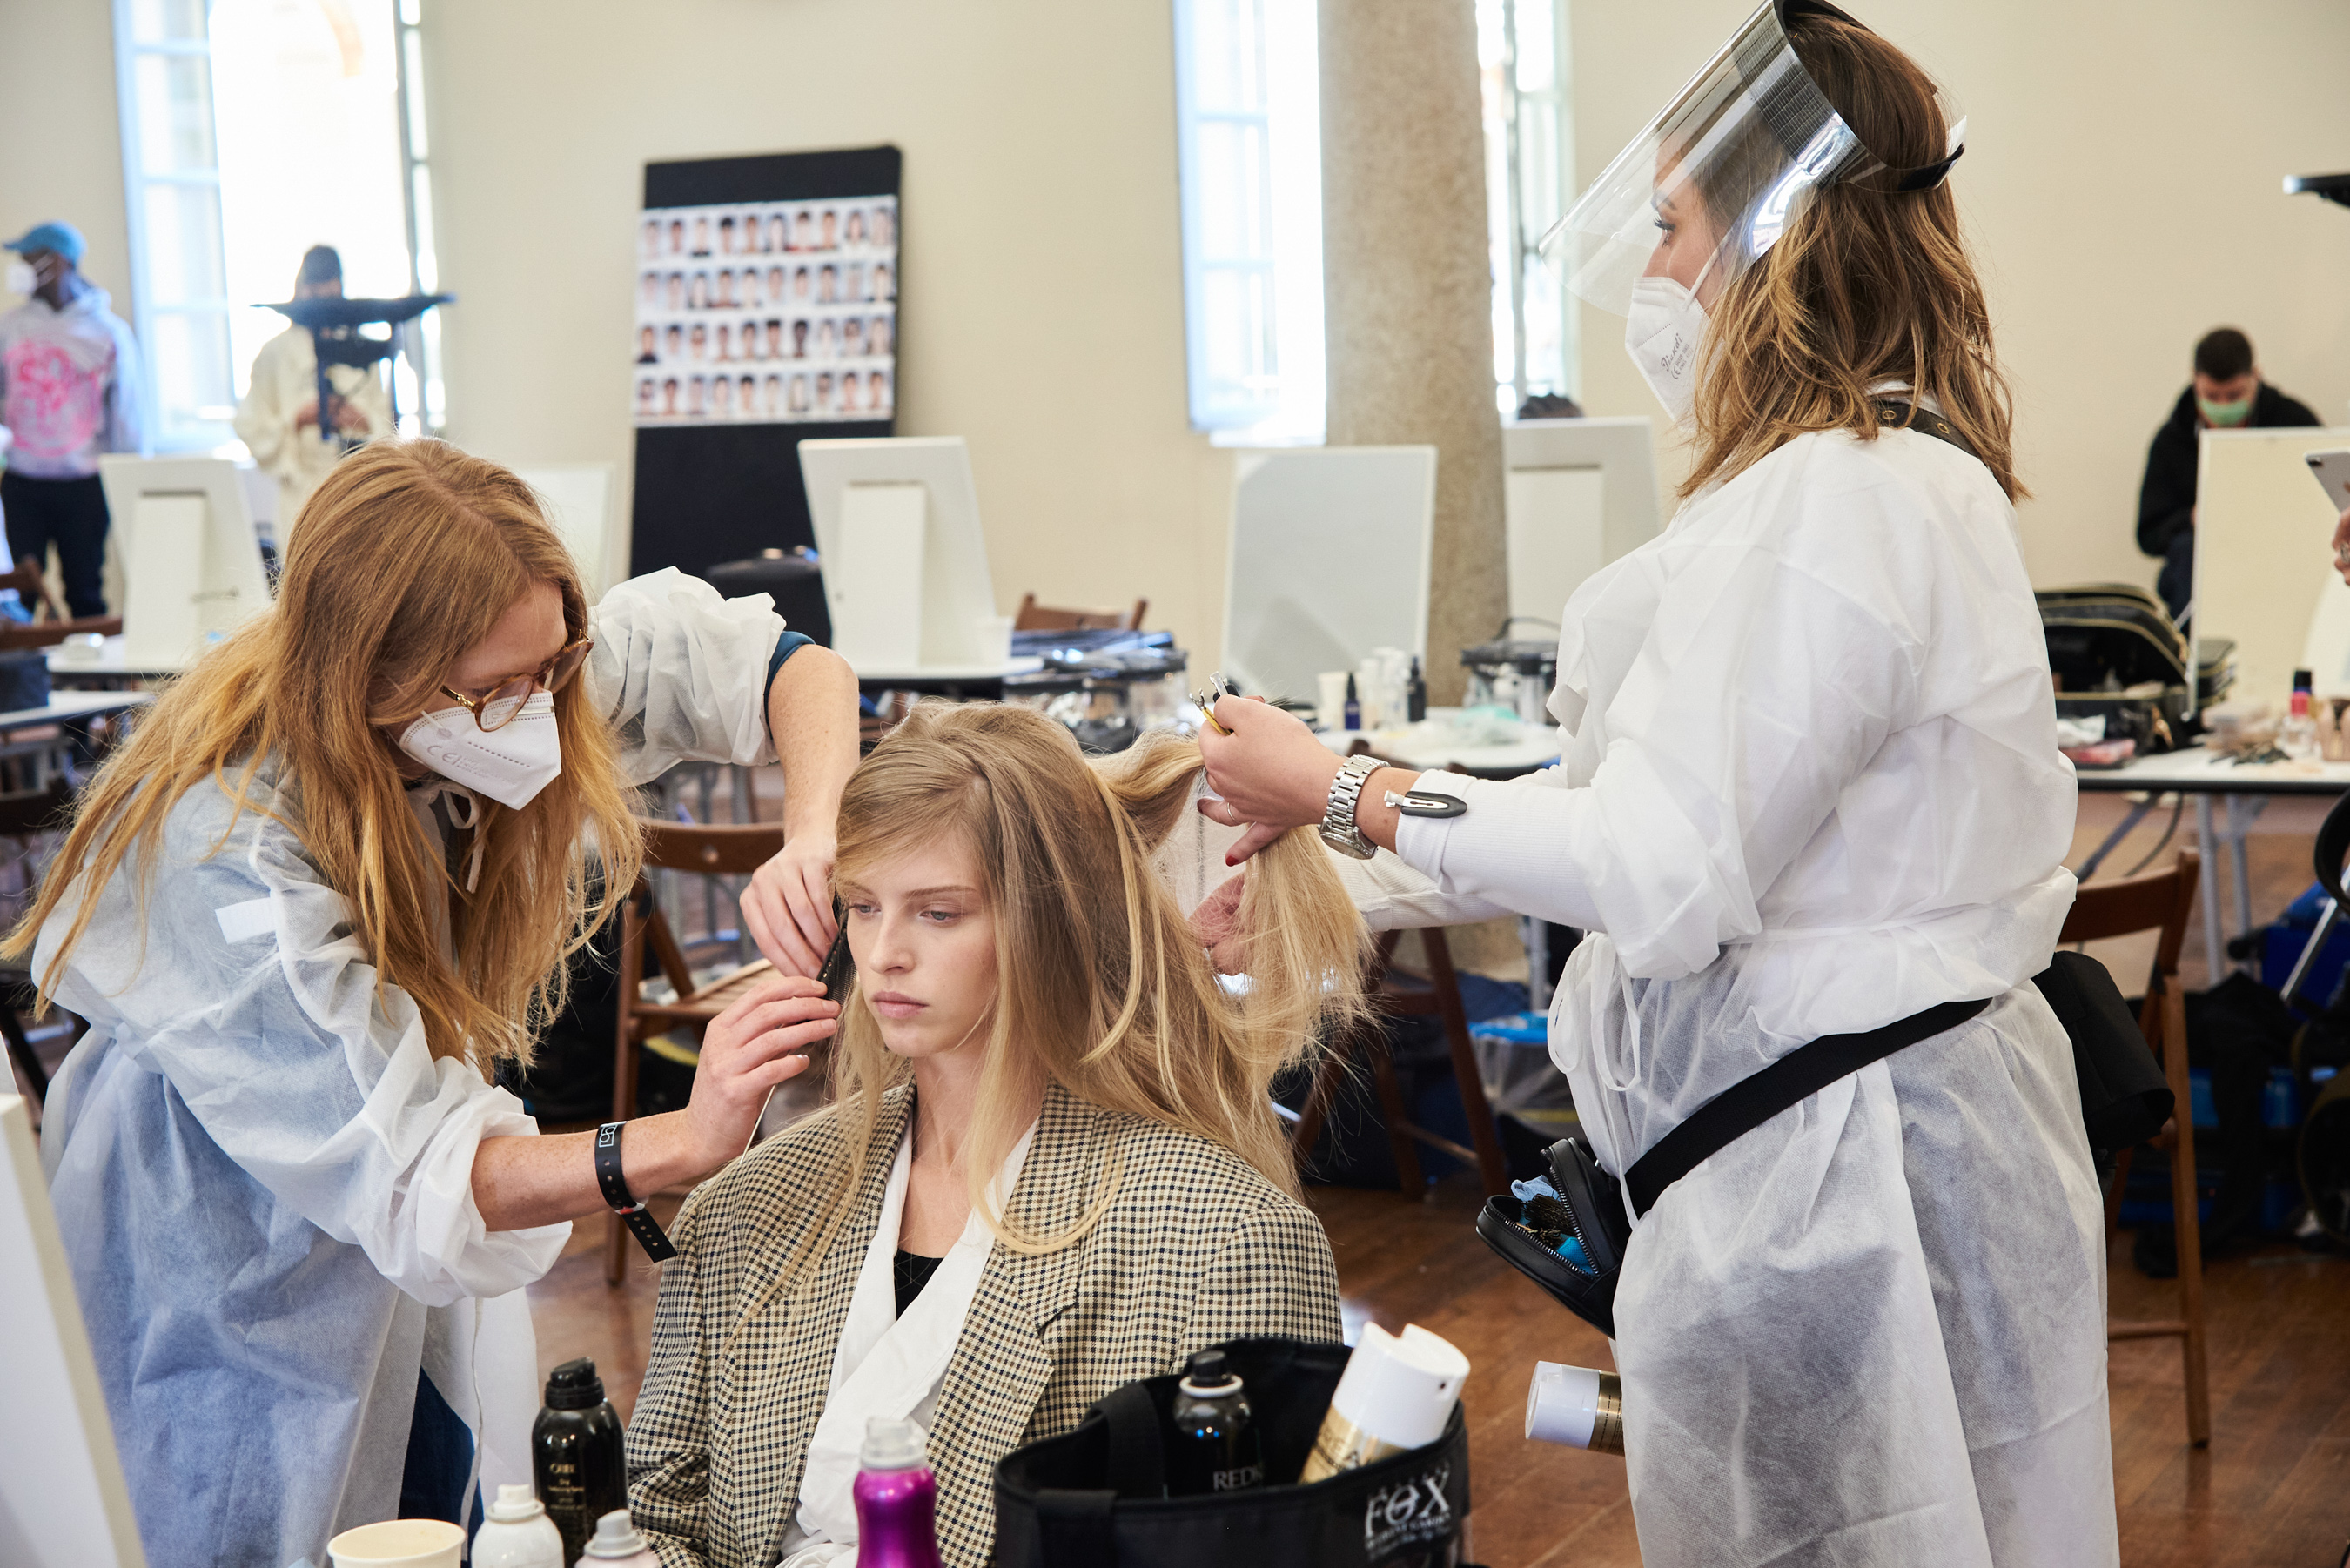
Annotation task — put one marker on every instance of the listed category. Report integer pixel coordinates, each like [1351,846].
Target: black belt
[1748,1103]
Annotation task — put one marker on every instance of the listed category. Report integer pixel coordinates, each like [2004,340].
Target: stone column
[1407,287]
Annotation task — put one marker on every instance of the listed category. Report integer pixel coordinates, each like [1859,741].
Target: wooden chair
[674,846]
[1441,998]
[49,626]
[2164,901]
[1034,616]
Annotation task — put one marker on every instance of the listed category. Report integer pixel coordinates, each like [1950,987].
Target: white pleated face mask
[509,765]
[1663,330]
[22,279]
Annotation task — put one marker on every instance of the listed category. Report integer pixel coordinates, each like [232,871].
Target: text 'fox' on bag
[1093,1497]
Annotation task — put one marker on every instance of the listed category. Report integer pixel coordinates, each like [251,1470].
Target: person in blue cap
[68,392]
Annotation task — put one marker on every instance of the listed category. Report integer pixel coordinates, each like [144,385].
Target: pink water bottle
[896,1498]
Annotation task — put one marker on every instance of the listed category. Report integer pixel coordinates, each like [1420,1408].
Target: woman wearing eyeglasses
[320,893]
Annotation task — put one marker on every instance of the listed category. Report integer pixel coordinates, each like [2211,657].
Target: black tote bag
[1091,1498]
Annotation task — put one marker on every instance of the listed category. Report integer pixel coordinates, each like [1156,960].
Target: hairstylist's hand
[1272,773]
[2341,546]
[746,1051]
[788,907]
[1216,926]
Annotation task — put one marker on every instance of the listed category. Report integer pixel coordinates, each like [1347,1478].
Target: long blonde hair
[1101,987]
[403,559]
[1867,286]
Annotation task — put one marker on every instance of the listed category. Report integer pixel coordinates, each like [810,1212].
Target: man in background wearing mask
[2226,394]
[70,391]
[278,418]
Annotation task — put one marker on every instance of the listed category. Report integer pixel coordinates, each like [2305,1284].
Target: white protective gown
[263,1177]
[285,377]
[1809,785]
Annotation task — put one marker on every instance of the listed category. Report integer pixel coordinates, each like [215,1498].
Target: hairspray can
[577,1455]
[1217,1447]
[1577,1406]
[1396,1394]
[896,1498]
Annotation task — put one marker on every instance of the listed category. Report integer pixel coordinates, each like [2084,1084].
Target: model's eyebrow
[934,892]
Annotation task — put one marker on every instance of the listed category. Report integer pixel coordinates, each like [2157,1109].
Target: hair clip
[1426,802]
[1206,701]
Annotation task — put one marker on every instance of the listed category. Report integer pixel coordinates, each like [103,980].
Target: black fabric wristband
[633,1214]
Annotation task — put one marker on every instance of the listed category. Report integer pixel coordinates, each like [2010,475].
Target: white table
[2208,777]
[62,707]
[71,661]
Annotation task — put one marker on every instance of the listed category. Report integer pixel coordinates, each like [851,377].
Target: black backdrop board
[710,493]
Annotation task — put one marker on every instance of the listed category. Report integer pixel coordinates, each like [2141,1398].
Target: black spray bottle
[576,1457]
[1217,1447]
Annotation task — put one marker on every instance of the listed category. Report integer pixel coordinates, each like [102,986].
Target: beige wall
[65,157]
[1041,270]
[2122,184]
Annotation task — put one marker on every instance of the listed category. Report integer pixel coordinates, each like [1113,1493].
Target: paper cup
[398,1543]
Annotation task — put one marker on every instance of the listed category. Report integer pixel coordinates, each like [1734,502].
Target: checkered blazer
[1199,1248]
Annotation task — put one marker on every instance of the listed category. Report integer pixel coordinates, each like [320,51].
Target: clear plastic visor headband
[1735,152]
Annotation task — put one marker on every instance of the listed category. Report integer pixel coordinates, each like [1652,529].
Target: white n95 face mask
[22,279]
[510,765]
[1663,330]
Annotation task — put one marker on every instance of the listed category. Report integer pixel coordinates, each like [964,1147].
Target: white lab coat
[1809,785]
[887,1365]
[263,1176]
[285,376]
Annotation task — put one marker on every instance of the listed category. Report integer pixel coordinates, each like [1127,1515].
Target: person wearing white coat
[278,419]
[298,1212]
[1808,786]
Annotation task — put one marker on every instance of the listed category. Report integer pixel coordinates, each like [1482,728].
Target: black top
[2165,500]
[910,1272]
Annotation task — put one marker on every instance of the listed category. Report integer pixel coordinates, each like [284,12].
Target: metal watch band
[632,1211]
[1338,829]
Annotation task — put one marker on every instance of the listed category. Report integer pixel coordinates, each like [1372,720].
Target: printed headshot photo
[885,287]
[878,339]
[824,392]
[827,285]
[775,286]
[697,292]
[803,233]
[877,391]
[852,337]
[852,230]
[672,341]
[885,224]
[775,233]
[799,339]
[693,398]
[749,341]
[677,236]
[799,286]
[699,341]
[852,391]
[726,288]
[669,398]
[854,287]
[648,346]
[677,291]
[702,237]
[828,234]
[746,391]
[775,338]
[827,346]
[649,291]
[648,398]
[799,398]
[726,235]
[770,396]
[725,343]
[722,398]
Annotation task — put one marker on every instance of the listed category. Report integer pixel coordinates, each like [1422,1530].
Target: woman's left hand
[788,907]
[2341,546]
[1272,773]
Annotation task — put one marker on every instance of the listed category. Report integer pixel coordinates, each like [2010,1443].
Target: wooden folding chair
[2164,901]
[1034,616]
[1441,998]
[674,846]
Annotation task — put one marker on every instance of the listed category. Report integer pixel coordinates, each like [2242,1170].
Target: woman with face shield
[1808,788]
[325,890]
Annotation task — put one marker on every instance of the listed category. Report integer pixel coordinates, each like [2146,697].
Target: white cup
[1333,711]
[993,636]
[398,1543]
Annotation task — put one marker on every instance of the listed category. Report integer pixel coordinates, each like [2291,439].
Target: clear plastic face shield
[1716,179]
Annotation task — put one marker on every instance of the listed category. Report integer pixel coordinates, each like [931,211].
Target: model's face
[1686,241]
[2235,389]
[524,638]
[924,941]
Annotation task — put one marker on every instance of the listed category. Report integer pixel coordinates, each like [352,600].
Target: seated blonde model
[1032,1017]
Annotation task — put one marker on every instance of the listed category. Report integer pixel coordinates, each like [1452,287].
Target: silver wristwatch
[1338,829]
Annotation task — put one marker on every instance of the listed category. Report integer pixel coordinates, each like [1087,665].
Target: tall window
[1248,123]
[254,129]
[1249,128]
